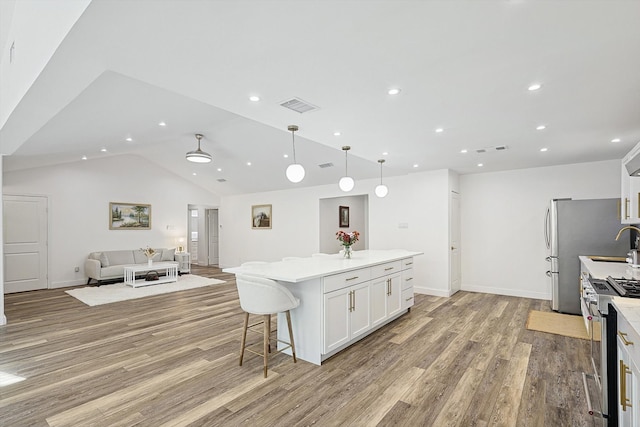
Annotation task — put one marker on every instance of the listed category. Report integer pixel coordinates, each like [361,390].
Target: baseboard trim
[506,292]
[66,284]
[430,291]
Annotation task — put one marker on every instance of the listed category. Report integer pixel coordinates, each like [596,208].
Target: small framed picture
[261,216]
[343,215]
[129,216]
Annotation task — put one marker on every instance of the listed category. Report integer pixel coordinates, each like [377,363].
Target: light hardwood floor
[172,360]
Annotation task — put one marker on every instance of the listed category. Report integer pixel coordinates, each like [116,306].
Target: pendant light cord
[293,142]
[346,170]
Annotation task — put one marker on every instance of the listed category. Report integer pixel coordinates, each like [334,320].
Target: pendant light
[295,171]
[381,189]
[198,156]
[346,182]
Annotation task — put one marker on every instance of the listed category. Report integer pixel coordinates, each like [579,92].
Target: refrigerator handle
[546,228]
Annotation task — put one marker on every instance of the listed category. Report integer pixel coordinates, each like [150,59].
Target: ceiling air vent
[221,180]
[487,149]
[481,150]
[298,105]
[326,165]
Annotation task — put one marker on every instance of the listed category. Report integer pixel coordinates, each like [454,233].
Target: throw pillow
[104,260]
[168,254]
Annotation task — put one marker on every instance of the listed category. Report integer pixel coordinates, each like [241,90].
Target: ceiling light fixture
[104,150]
[439,130]
[541,127]
[480,165]
[393,91]
[337,133]
[543,149]
[295,171]
[162,124]
[463,151]
[346,183]
[381,190]
[534,86]
[615,140]
[415,166]
[198,156]
[254,98]
[84,157]
[129,139]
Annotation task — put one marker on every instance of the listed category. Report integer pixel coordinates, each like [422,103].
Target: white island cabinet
[341,300]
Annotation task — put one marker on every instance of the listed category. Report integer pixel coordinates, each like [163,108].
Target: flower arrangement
[348,239]
[149,252]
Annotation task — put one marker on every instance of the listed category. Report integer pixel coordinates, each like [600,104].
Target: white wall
[38,28]
[418,200]
[329,223]
[79,194]
[503,248]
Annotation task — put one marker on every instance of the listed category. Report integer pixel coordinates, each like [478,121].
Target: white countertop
[600,270]
[299,270]
[630,309]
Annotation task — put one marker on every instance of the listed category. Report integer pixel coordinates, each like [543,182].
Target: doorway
[454,243]
[25,243]
[212,233]
[203,232]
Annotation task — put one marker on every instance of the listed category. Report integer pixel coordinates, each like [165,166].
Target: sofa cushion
[104,260]
[168,254]
[120,257]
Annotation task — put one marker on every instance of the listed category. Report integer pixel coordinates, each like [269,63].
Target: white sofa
[109,265]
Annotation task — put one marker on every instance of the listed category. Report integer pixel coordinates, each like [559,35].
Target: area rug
[560,324]
[105,294]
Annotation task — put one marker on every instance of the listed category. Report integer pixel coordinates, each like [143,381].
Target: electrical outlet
[77,269]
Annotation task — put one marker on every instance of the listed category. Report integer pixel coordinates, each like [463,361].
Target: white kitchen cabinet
[407,286]
[386,298]
[628,374]
[347,315]
[630,189]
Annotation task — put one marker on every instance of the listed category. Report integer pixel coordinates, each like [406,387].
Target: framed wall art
[261,216]
[129,216]
[343,216]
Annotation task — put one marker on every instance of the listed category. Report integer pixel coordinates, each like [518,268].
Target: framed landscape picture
[129,216]
[261,216]
[343,216]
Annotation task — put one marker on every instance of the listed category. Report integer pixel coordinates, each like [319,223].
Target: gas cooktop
[629,288]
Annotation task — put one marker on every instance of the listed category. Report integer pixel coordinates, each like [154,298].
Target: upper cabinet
[630,189]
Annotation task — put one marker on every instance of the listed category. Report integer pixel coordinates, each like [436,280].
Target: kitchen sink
[608,259]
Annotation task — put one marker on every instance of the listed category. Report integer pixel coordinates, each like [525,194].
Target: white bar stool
[264,297]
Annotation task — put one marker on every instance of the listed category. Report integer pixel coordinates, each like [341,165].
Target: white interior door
[25,243]
[212,217]
[454,243]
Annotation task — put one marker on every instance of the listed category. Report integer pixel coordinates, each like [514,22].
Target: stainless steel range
[601,321]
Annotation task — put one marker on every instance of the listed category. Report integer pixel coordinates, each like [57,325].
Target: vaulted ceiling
[463,68]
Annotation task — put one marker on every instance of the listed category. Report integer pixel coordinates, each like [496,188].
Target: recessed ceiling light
[129,139]
[219,169]
[248,163]
[415,166]
[104,150]
[615,140]
[463,151]
[286,156]
[384,153]
[393,91]
[84,157]
[439,130]
[480,165]
[162,124]
[254,98]
[543,149]
[535,86]
[194,174]
[541,127]
[337,133]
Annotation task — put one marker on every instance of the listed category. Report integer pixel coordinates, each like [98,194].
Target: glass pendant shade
[381,190]
[295,172]
[198,156]
[346,183]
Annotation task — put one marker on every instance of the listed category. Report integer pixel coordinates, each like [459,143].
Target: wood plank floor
[172,360]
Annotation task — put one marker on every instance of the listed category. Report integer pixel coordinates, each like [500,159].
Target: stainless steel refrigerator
[574,228]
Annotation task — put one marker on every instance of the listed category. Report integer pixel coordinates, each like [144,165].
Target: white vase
[150,262]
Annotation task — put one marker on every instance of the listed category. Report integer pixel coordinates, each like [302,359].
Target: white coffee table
[130,272]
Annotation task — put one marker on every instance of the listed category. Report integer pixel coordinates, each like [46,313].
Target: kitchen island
[341,300]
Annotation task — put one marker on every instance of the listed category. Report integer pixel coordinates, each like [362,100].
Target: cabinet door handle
[408,278]
[626,208]
[410,263]
[408,299]
[350,301]
[624,402]
[352,278]
[354,300]
[388,268]
[623,337]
